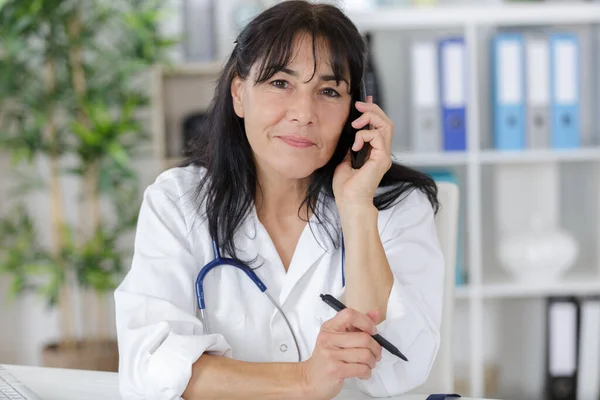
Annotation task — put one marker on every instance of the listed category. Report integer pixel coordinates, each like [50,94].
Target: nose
[302,108]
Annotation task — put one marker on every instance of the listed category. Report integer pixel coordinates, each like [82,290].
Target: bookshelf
[462,16]
[502,287]
[178,90]
[491,157]
[490,290]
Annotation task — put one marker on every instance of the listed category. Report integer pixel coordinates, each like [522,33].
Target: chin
[294,169]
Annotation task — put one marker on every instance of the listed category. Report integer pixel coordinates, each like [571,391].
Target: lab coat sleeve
[414,309]
[159,335]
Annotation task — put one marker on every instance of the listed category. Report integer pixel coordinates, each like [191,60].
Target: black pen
[339,306]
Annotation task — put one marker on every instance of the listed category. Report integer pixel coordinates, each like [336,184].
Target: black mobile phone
[358,158]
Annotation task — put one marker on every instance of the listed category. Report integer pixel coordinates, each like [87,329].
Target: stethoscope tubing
[221,261]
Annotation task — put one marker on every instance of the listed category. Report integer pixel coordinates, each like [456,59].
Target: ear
[237,93]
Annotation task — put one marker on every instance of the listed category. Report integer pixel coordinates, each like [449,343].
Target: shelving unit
[539,156]
[178,90]
[431,159]
[577,284]
[487,283]
[503,287]
[463,16]
[490,157]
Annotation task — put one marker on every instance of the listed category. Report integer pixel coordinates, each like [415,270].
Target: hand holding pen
[339,306]
[344,349]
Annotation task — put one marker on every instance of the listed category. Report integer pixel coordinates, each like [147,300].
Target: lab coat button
[283,348]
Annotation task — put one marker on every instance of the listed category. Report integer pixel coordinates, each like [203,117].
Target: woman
[270,179]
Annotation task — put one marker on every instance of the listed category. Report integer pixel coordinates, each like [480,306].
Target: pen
[339,306]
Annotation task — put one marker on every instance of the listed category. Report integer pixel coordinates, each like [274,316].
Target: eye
[329,92]
[280,83]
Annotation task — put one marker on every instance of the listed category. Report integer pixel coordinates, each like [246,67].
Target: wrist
[357,212]
[303,389]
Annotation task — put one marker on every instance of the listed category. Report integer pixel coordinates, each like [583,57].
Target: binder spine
[454,129]
[425,126]
[454,112]
[562,347]
[509,126]
[565,90]
[537,60]
[509,109]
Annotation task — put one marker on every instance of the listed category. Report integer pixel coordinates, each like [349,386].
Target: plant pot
[95,355]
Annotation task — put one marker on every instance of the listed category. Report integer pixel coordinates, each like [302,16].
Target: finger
[359,142]
[357,356]
[356,340]
[360,371]
[374,137]
[348,318]
[374,315]
[364,107]
[369,100]
[373,120]
[366,376]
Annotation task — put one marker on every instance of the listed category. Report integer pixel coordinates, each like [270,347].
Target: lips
[297,141]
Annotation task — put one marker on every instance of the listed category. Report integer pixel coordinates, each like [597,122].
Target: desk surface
[67,384]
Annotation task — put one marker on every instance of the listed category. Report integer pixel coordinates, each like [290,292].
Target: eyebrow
[324,78]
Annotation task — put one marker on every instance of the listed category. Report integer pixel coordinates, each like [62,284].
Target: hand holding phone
[358,176]
[360,157]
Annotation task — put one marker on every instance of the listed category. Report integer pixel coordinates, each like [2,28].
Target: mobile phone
[358,158]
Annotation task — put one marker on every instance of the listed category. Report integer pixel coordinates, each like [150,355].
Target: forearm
[369,278]
[215,377]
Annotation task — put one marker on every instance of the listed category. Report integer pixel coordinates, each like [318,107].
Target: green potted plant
[73,81]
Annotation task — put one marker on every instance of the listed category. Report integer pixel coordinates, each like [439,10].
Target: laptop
[12,389]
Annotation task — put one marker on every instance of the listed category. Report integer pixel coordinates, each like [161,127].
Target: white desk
[68,384]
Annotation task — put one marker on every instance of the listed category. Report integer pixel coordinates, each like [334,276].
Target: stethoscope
[222,261]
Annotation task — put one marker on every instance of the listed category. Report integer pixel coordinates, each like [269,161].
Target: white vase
[539,256]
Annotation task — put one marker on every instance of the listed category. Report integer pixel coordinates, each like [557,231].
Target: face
[293,120]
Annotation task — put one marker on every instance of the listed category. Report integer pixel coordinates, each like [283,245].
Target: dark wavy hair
[227,190]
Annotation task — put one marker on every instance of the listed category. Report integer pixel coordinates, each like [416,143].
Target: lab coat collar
[313,244]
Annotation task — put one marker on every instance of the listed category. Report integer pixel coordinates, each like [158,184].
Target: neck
[279,197]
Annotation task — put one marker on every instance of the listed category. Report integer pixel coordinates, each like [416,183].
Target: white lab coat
[159,331]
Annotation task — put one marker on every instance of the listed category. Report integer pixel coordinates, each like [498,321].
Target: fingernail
[374,330]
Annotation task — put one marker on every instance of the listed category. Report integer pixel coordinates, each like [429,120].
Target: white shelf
[510,290]
[405,18]
[431,159]
[486,157]
[534,156]
[463,292]
[578,283]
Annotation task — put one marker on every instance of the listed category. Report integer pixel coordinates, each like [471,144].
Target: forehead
[307,55]
[315,53]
